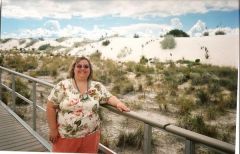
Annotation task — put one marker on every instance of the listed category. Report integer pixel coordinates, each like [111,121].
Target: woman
[72,110]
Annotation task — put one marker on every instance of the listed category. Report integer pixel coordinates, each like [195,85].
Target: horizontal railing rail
[191,138]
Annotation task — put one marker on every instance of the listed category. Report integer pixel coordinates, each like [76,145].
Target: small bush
[168,42]
[206,34]
[106,43]
[96,56]
[22,89]
[61,39]
[44,47]
[132,139]
[219,32]
[22,41]
[203,97]
[197,124]
[185,105]
[136,36]
[5,40]
[33,41]
[177,33]
[197,60]
[1,59]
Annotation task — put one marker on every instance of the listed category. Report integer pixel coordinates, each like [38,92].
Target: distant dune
[223,50]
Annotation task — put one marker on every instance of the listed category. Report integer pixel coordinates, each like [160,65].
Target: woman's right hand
[53,135]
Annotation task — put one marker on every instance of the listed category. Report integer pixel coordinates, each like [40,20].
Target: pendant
[84,96]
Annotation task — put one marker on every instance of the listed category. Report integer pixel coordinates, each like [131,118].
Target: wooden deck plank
[6,130]
[17,144]
[10,141]
[24,147]
[14,136]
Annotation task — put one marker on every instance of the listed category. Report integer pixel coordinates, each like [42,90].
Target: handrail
[190,136]
[223,146]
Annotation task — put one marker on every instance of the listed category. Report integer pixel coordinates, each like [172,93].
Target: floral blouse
[77,115]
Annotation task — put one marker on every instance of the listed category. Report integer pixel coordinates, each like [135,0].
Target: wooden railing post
[13,92]
[189,147]
[147,139]
[34,105]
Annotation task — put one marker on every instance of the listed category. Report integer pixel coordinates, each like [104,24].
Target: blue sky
[92,19]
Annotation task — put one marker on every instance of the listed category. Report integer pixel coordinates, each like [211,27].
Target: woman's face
[82,70]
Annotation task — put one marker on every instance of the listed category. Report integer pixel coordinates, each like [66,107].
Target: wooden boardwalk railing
[14,136]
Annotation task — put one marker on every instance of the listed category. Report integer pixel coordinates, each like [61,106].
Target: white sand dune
[223,50]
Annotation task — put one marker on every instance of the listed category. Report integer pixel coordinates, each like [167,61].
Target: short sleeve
[56,94]
[105,94]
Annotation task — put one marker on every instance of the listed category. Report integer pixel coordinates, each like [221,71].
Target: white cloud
[142,29]
[126,8]
[200,27]
[52,25]
[52,29]
[197,29]
[176,23]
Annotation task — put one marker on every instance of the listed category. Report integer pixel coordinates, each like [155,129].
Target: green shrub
[197,60]
[44,47]
[5,40]
[219,32]
[177,33]
[106,43]
[143,69]
[197,124]
[33,41]
[22,89]
[161,100]
[206,34]
[168,42]
[21,63]
[5,96]
[1,60]
[130,65]
[22,41]
[61,39]
[132,139]
[122,85]
[203,97]
[135,36]
[185,105]
[96,56]
[211,113]
[143,60]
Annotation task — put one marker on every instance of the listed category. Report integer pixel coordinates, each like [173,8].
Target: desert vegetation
[197,96]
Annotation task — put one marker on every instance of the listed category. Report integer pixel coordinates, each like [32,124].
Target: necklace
[83,96]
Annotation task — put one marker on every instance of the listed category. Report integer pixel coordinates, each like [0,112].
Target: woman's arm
[52,121]
[114,101]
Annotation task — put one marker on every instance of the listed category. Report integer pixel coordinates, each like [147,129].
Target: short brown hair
[77,60]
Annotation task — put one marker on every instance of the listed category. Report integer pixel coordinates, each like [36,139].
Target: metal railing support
[189,147]
[1,84]
[34,105]
[147,139]
[13,92]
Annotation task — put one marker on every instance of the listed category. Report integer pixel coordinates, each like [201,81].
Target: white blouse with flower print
[77,115]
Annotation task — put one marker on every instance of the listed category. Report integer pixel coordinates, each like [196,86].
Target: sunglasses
[82,66]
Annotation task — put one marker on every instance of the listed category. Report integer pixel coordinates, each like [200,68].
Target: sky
[96,18]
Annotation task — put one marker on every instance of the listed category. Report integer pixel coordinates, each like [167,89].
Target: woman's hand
[53,135]
[114,101]
[122,107]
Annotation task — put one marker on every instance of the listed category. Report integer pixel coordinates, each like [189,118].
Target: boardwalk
[14,136]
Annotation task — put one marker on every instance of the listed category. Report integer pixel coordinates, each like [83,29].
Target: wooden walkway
[14,136]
